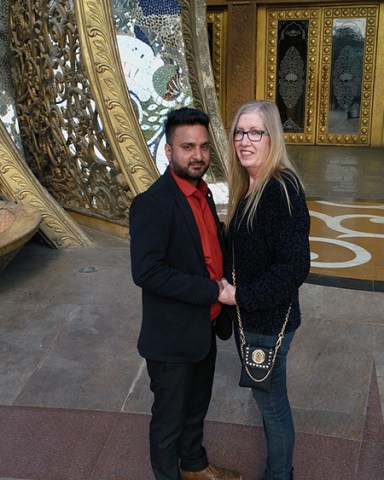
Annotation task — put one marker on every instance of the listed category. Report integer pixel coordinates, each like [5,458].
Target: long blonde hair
[277,161]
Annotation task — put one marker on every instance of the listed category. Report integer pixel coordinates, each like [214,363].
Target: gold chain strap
[242,336]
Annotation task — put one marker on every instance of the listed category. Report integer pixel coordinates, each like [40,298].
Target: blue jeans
[276,411]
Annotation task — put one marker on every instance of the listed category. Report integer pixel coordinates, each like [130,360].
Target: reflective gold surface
[17,225]
[130,153]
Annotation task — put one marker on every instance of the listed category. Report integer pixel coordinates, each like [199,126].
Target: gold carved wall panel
[320,64]
[79,129]
[312,17]
[79,134]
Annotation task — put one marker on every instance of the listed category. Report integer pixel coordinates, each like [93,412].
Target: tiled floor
[74,397]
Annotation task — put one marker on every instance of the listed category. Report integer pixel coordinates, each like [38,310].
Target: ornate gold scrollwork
[330,79]
[19,184]
[79,130]
[79,133]
[312,16]
[102,62]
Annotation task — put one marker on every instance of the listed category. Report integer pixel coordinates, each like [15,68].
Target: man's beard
[183,172]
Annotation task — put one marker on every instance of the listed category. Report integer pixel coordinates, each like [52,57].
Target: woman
[268,246]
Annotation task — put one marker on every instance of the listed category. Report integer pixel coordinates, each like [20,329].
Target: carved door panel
[320,72]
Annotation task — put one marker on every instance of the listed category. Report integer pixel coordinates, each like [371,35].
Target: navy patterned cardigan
[272,259]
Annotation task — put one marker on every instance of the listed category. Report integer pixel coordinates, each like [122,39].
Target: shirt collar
[187,187]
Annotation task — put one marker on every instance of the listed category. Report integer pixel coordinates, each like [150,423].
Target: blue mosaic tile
[149,35]
[141,35]
[167,7]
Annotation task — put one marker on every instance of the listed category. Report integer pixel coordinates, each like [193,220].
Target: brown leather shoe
[211,473]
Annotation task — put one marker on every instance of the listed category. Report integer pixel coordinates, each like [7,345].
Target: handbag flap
[258,357]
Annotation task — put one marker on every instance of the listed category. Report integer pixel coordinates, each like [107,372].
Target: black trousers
[182,392]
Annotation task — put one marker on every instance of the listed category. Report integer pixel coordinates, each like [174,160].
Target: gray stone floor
[69,341]
[70,373]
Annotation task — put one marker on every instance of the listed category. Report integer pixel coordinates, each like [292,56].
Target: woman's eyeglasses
[253,135]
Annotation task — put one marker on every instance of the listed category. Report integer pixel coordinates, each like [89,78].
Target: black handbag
[256,368]
[257,361]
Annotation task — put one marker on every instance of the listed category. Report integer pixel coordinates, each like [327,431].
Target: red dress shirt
[196,197]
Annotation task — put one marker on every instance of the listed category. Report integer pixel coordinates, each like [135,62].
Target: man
[177,261]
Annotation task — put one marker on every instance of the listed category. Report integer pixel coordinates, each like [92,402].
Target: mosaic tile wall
[7,106]
[151,47]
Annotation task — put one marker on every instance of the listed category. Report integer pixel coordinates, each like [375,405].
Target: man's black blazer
[168,264]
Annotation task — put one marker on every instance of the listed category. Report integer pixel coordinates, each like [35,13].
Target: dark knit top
[272,259]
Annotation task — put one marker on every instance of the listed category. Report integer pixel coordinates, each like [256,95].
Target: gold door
[320,71]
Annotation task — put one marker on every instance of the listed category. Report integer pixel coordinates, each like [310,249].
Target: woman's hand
[228,293]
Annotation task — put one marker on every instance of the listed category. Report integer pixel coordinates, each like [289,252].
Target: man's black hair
[184,116]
